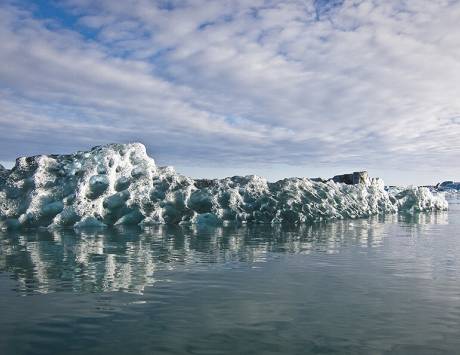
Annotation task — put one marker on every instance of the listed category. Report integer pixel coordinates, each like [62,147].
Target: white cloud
[361,83]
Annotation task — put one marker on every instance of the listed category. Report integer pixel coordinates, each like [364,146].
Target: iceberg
[448,186]
[119,184]
[451,190]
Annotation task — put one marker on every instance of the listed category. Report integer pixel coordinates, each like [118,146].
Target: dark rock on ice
[358,177]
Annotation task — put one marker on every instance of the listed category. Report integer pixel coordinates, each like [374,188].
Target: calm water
[377,286]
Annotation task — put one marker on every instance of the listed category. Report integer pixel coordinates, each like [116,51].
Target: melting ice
[120,184]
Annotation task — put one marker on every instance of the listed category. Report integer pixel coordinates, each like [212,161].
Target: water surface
[372,286]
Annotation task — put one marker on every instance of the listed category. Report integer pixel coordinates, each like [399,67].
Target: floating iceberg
[451,190]
[119,184]
[448,186]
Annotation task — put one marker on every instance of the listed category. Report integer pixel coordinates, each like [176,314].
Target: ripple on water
[379,285]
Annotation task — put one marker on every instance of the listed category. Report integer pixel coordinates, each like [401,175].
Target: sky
[217,88]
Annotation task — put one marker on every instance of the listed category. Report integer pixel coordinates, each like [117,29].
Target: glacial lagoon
[385,284]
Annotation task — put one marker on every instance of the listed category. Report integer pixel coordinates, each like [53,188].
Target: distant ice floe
[119,184]
[448,185]
[451,190]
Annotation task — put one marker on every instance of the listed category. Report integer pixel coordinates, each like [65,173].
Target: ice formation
[448,186]
[120,184]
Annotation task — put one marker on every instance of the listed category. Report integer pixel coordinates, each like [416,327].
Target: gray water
[372,286]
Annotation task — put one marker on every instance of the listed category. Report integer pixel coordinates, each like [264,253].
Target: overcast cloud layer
[306,86]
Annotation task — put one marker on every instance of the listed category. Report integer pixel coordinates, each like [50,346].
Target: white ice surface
[119,184]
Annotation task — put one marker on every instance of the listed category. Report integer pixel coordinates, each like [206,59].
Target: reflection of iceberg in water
[130,259]
[422,220]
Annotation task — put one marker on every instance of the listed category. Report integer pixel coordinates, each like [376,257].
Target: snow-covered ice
[119,184]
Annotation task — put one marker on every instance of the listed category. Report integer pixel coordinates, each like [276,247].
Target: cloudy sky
[216,87]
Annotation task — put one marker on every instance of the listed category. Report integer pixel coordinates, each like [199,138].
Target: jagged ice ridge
[118,184]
